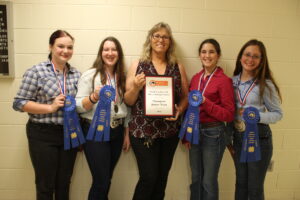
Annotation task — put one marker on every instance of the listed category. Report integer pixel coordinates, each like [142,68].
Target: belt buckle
[239,125]
[115,123]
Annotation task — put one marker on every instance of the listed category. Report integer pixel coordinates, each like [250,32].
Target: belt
[116,122]
[113,123]
[45,125]
[211,124]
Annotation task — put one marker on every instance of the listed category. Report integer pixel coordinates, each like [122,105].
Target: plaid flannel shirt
[40,85]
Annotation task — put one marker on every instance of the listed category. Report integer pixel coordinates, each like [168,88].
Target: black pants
[154,164]
[53,166]
[102,157]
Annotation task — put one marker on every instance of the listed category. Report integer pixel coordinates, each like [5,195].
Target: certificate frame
[159,96]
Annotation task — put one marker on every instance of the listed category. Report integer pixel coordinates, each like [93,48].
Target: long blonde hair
[170,55]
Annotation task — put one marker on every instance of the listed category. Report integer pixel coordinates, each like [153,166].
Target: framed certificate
[159,96]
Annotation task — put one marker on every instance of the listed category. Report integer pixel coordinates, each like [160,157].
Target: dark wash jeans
[205,160]
[154,164]
[102,158]
[250,176]
[53,166]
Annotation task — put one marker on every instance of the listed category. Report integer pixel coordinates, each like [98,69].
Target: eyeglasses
[254,57]
[163,37]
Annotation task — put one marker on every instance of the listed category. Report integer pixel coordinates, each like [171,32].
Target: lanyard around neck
[62,85]
[242,100]
[116,85]
[200,80]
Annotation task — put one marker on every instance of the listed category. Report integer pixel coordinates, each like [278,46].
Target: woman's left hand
[177,113]
[126,141]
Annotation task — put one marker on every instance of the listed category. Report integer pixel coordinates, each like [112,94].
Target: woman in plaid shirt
[42,95]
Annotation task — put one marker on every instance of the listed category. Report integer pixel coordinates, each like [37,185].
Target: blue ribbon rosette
[100,127]
[190,126]
[73,135]
[250,147]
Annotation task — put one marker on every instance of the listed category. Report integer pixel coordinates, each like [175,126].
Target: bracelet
[93,102]
[94,96]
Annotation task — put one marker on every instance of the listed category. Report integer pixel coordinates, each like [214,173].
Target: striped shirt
[40,85]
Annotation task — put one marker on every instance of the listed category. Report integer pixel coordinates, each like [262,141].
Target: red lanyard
[62,87]
[200,80]
[116,85]
[242,100]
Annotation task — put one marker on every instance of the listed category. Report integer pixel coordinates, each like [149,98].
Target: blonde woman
[154,140]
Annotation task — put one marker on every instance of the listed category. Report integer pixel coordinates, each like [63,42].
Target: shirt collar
[246,82]
[70,69]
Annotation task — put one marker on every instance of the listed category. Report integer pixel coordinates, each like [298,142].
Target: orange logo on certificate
[158,83]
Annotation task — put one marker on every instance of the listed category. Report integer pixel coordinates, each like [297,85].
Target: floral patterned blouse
[154,127]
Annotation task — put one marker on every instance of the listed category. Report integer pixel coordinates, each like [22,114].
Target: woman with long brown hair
[102,156]
[255,87]
[216,108]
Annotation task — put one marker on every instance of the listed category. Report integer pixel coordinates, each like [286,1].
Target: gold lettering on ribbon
[100,128]
[73,135]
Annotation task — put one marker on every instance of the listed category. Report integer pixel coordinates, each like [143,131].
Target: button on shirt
[40,85]
[269,107]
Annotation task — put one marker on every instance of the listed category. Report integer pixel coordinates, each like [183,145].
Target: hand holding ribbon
[57,103]
[100,126]
[190,126]
[250,147]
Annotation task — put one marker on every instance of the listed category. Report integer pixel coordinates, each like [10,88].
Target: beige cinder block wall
[231,22]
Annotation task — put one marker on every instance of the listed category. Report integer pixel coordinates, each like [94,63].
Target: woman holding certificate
[154,139]
[45,89]
[257,97]
[102,109]
[216,108]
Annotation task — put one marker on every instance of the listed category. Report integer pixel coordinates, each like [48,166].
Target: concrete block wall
[231,22]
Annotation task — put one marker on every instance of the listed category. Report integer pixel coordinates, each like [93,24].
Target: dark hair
[262,72]
[119,66]
[58,34]
[212,41]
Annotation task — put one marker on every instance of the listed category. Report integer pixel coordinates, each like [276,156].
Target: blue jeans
[154,164]
[205,160]
[102,158]
[250,176]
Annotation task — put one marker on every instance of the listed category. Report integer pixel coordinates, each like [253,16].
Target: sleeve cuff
[79,106]
[19,104]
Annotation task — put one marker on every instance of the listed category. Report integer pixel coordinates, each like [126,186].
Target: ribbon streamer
[190,126]
[250,147]
[73,135]
[100,127]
